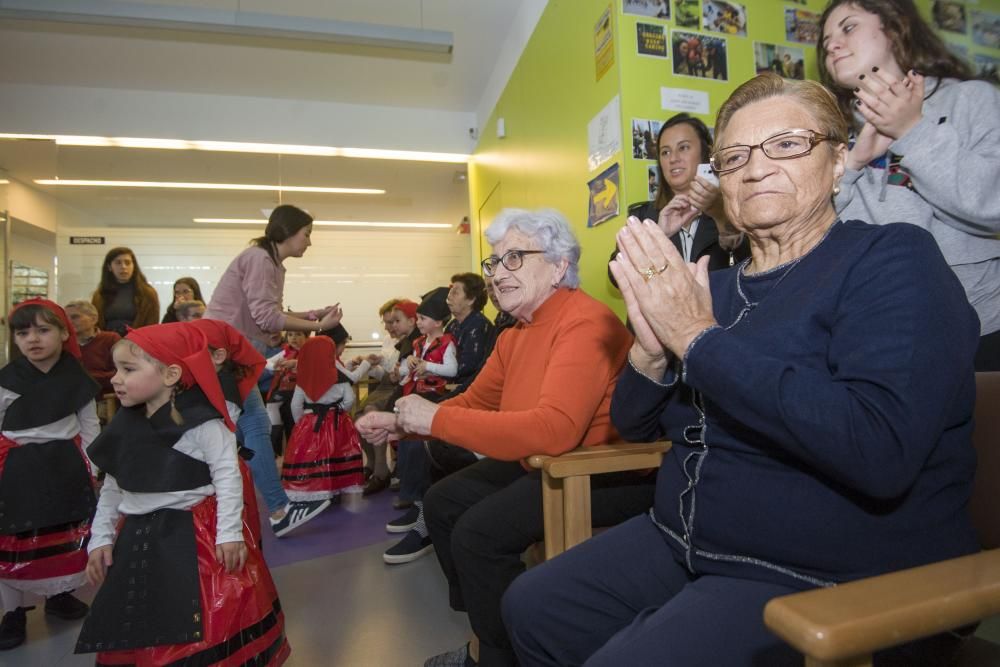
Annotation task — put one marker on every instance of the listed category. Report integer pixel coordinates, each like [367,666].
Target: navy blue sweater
[825,426]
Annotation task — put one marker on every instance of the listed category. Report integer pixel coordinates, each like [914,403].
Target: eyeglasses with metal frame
[785,145]
[512,260]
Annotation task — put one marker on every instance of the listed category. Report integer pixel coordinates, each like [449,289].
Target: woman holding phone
[688,207]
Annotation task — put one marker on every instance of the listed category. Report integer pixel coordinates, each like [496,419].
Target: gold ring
[648,274]
[666,265]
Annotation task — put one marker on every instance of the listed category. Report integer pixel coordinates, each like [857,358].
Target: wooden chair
[566,486]
[842,626]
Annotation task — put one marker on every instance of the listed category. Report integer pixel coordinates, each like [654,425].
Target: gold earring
[836,190]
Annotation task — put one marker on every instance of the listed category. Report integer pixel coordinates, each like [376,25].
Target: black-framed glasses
[782,146]
[512,260]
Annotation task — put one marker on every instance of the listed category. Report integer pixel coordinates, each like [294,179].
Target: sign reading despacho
[86,240]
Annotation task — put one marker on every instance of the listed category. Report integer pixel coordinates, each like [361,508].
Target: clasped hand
[890,109]
[667,308]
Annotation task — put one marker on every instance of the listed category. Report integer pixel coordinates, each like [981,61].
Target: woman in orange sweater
[546,389]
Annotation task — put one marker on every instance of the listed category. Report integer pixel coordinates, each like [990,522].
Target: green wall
[553,94]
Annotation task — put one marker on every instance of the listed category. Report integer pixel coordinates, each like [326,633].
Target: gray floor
[345,610]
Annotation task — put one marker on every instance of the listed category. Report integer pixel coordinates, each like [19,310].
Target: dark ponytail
[284,223]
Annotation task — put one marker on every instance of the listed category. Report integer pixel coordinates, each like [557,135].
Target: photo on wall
[949,16]
[724,16]
[699,55]
[986,29]
[686,14]
[985,68]
[644,133]
[654,181]
[658,9]
[651,39]
[960,50]
[785,61]
[801,26]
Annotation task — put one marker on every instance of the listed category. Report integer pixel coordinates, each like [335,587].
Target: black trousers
[483,517]
[988,353]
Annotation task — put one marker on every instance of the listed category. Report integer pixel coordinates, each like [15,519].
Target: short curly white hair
[549,229]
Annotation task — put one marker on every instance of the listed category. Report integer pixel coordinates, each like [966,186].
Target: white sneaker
[296,514]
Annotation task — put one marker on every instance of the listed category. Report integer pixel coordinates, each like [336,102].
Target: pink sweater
[249,294]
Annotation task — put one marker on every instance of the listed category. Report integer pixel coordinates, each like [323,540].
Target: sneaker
[409,548]
[66,607]
[458,658]
[13,628]
[403,523]
[297,514]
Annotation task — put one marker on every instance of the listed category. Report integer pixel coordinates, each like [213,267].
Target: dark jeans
[483,517]
[622,598]
[413,469]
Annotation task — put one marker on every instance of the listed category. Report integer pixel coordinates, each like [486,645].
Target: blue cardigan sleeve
[902,339]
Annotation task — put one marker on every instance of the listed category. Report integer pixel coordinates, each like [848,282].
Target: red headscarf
[317,370]
[408,308]
[177,343]
[222,336]
[69,345]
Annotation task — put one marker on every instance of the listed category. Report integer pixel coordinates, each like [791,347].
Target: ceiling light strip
[243,147]
[328,223]
[206,186]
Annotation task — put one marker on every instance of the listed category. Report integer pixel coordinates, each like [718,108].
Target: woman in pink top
[249,297]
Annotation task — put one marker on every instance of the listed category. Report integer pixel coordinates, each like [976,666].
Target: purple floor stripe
[357,522]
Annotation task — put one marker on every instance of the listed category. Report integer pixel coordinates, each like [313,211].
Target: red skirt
[318,465]
[242,620]
[48,552]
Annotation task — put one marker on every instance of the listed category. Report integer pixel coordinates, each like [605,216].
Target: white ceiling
[64,55]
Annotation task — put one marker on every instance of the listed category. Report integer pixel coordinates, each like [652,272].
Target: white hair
[86,307]
[549,229]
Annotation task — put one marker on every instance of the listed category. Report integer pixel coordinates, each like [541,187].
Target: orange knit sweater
[547,386]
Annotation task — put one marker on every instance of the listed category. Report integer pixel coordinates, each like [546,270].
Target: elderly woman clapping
[546,389]
[819,398]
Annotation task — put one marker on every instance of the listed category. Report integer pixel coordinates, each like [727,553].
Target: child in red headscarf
[181,577]
[47,417]
[323,456]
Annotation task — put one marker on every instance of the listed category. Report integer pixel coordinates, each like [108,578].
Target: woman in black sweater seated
[819,398]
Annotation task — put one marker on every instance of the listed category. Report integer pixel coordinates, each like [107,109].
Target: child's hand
[420,370]
[97,564]
[232,555]
[375,359]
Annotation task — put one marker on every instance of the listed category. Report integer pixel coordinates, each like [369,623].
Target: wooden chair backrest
[985,505]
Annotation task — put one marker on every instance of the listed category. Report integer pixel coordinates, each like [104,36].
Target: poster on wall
[724,16]
[644,134]
[659,9]
[686,13]
[603,196]
[604,134]
[604,44]
[651,39]
[654,181]
[985,68]
[960,50]
[785,61]
[986,29]
[948,16]
[801,26]
[700,56]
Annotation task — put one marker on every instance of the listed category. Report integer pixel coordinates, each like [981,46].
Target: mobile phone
[705,171]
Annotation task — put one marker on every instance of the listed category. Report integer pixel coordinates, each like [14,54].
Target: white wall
[359,269]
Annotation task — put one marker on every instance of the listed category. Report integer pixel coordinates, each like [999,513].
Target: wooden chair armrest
[861,617]
[612,457]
